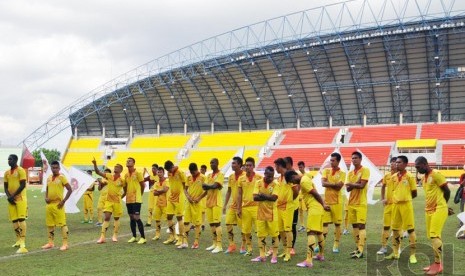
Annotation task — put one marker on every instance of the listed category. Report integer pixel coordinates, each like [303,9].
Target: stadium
[383,78]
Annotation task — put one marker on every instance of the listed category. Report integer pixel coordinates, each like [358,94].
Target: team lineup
[263,206]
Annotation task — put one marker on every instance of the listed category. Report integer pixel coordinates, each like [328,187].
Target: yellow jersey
[334,177]
[194,185]
[434,196]
[55,187]
[177,180]
[13,178]
[233,181]
[403,185]
[133,188]
[115,186]
[247,184]
[358,196]
[267,210]
[285,194]
[389,187]
[306,185]
[160,186]
[214,196]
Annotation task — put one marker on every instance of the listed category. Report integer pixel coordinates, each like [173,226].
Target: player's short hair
[107,170]
[155,165]
[54,162]
[168,165]
[203,167]
[120,166]
[15,157]
[160,169]
[421,160]
[301,163]
[337,155]
[280,162]
[403,158]
[289,160]
[393,159]
[133,160]
[270,169]
[193,167]
[250,159]
[238,160]
[357,153]
[289,175]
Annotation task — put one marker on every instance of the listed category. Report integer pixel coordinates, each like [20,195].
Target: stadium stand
[381,133]
[453,154]
[309,136]
[237,139]
[203,157]
[85,143]
[167,141]
[450,131]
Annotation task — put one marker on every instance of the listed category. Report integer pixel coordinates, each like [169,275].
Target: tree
[51,155]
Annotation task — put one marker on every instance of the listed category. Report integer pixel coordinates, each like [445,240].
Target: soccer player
[302,207]
[88,200]
[295,218]
[333,180]
[133,191]
[193,211]
[316,208]
[177,180]
[285,204]
[203,170]
[54,210]
[103,189]
[114,185]
[266,193]
[160,190]
[214,203]
[247,207]
[357,208]
[152,179]
[437,195]
[231,213]
[386,198]
[405,189]
[14,181]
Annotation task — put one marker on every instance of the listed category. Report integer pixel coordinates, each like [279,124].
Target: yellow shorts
[302,205]
[267,228]
[101,202]
[232,218]
[88,201]
[214,214]
[18,211]
[54,216]
[357,214]
[285,218]
[193,213]
[159,213]
[113,207]
[249,218]
[435,222]
[334,215]
[315,222]
[387,215]
[403,216]
[175,208]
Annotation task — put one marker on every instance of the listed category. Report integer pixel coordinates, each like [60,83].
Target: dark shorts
[133,208]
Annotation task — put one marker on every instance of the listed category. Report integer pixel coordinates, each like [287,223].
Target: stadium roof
[343,61]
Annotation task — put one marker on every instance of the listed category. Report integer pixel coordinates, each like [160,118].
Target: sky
[52,52]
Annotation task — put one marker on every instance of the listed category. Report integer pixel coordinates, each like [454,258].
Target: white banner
[80,182]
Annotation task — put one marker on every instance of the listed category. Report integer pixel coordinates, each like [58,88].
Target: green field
[85,256]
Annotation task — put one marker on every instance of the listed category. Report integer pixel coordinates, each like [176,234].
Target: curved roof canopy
[347,62]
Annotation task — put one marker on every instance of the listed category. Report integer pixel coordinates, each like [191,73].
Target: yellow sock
[412,237]
[64,234]
[311,243]
[100,215]
[181,228]
[91,213]
[325,230]
[219,236]
[248,241]
[17,231]
[229,228]
[149,218]
[50,233]
[437,247]
[274,245]
[321,244]
[243,240]
[22,233]
[197,233]
[384,238]
[187,228]
[355,234]
[213,230]
[116,224]
[261,246]
[337,235]
[289,239]
[283,239]
[171,227]
[396,241]
[105,226]
[362,238]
